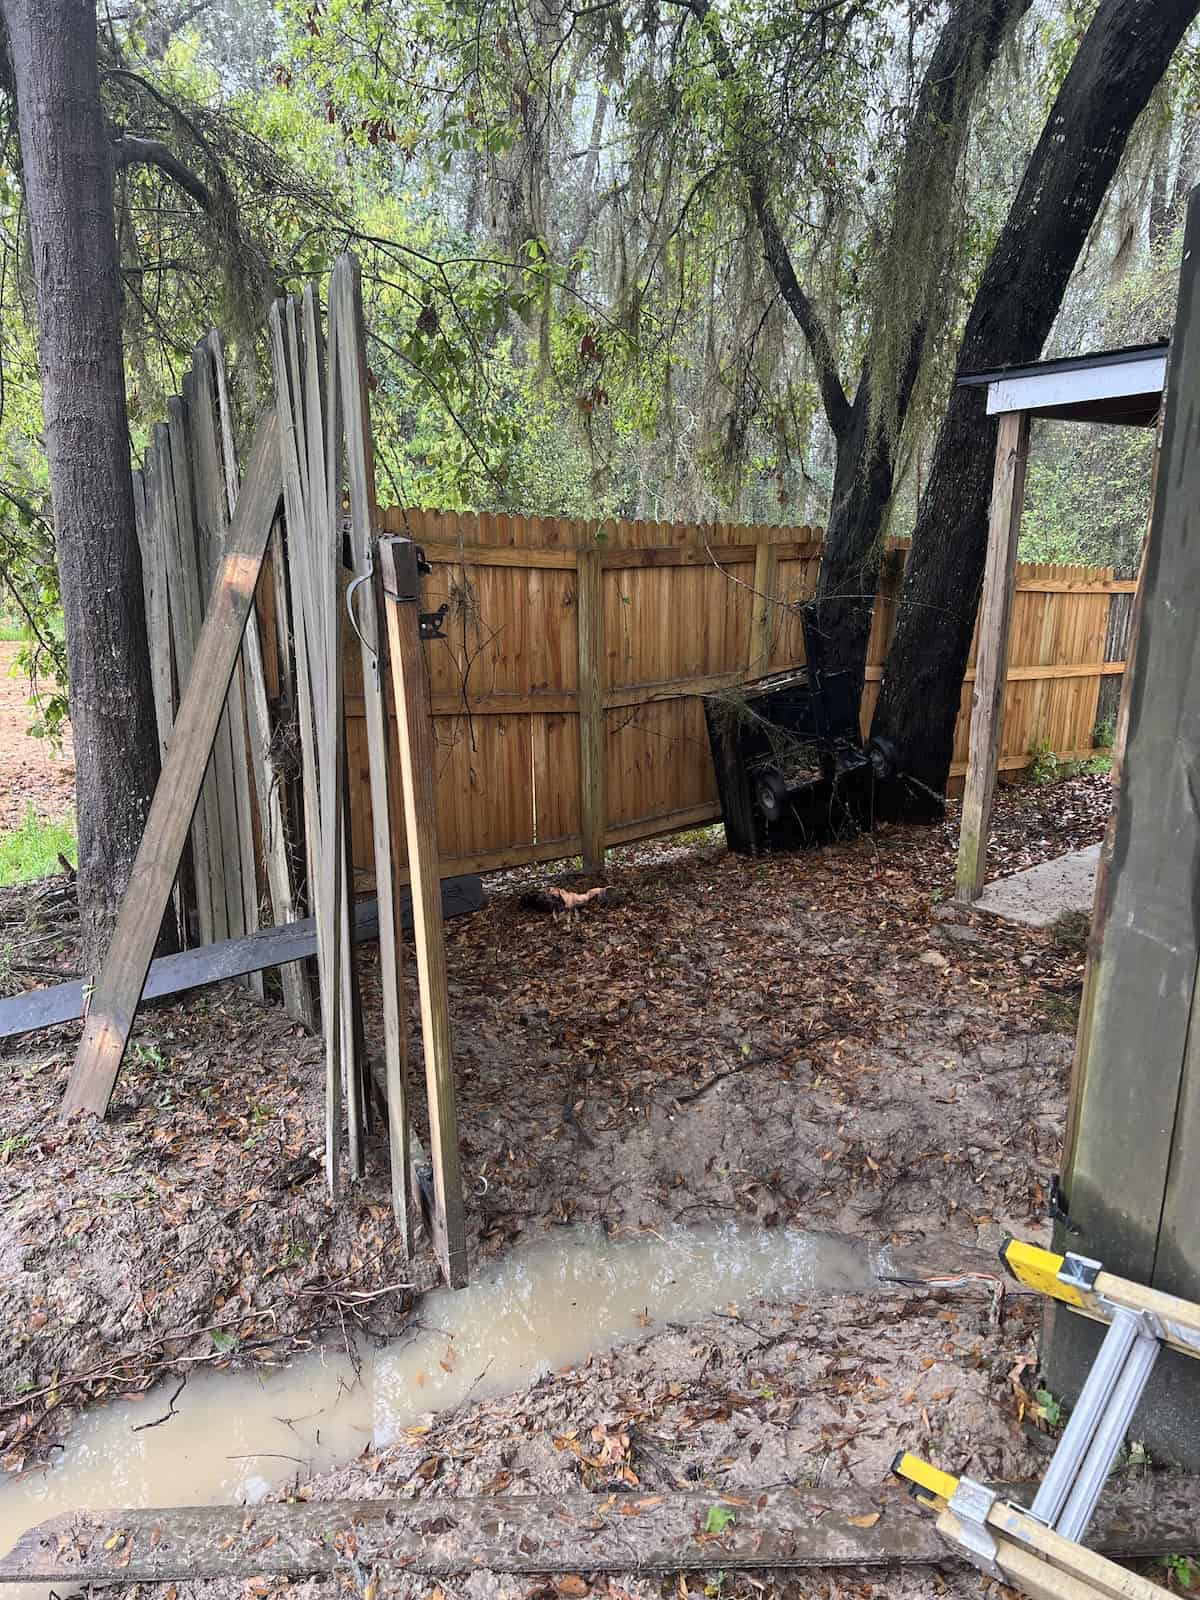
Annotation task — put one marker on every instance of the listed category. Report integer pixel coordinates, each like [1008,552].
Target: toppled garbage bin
[792,769]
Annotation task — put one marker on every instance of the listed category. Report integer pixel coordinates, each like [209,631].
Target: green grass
[31,850]
[13,631]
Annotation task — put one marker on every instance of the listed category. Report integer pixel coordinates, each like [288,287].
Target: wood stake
[410,683]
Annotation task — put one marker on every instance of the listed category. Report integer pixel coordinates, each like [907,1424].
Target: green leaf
[718,1519]
[1049,1409]
[223,1342]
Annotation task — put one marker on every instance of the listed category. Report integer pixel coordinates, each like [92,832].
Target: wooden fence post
[991,653]
[402,591]
[593,719]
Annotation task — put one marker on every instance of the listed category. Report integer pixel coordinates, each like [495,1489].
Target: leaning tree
[1116,68]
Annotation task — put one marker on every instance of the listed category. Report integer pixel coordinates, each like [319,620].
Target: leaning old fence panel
[659,613]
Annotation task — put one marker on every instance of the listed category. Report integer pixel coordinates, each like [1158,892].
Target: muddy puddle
[231,1437]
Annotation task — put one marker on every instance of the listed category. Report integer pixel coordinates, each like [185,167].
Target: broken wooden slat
[231,759]
[292,564]
[332,593]
[401,583]
[776,1528]
[119,988]
[192,969]
[146,502]
[217,793]
[323,611]
[289,400]
[268,791]
[182,586]
[154,575]
[345,308]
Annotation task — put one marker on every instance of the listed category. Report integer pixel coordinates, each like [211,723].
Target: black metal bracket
[430,622]
[1059,1207]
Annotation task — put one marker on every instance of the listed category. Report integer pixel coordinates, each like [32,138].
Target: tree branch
[775,251]
[779,259]
[130,150]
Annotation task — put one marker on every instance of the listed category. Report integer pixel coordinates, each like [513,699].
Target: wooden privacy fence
[565,691]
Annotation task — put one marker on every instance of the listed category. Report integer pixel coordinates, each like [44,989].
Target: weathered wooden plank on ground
[210,963]
[401,584]
[777,1528]
[119,988]
[991,656]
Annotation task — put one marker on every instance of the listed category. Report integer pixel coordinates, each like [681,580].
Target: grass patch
[13,630]
[31,850]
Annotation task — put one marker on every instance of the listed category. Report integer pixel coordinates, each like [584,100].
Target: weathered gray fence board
[127,962]
[345,308]
[229,749]
[182,584]
[777,1528]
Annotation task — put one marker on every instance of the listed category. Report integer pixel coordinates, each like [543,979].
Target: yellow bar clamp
[1038,1269]
[927,1483]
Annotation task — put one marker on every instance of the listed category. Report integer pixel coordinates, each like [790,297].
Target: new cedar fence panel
[681,610]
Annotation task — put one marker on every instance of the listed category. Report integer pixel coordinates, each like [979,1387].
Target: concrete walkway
[1039,895]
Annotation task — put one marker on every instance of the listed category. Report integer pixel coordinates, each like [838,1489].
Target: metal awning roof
[1119,386]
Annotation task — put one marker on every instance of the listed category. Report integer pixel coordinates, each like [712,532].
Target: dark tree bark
[68,186]
[1122,57]
[840,613]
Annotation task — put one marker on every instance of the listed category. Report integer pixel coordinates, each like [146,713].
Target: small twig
[269,1455]
[168,1413]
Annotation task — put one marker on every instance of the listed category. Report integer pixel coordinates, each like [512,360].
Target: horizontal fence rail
[644,618]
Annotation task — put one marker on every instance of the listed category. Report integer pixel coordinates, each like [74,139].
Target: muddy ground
[812,1040]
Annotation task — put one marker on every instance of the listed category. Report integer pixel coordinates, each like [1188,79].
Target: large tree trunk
[841,610]
[69,197]
[1122,57]
[839,614]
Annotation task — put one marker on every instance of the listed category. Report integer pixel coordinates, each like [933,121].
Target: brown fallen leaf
[868,1520]
[571,1586]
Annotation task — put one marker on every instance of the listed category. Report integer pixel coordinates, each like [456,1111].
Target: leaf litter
[721,1038]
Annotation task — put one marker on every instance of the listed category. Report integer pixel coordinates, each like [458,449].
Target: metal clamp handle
[352,589]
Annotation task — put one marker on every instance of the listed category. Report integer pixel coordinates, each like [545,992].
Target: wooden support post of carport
[1120,387]
[991,652]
